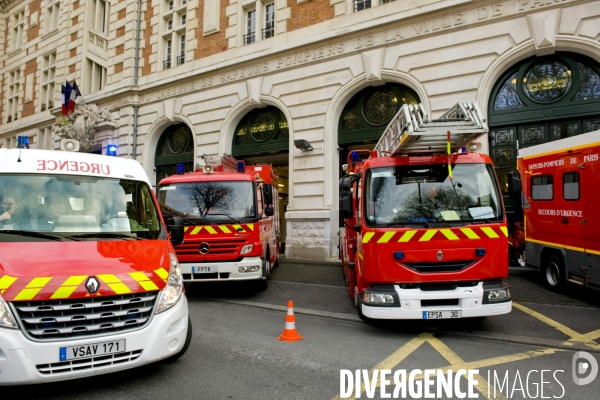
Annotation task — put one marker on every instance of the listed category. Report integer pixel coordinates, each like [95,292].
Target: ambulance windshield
[208,201]
[424,194]
[78,207]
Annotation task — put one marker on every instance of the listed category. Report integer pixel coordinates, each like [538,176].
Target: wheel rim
[553,274]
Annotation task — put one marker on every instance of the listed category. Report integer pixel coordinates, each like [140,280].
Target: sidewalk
[320,289]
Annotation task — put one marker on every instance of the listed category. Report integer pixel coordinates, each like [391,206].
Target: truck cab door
[571,206]
[591,216]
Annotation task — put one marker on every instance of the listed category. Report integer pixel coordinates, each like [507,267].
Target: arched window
[263,130]
[175,146]
[543,99]
[367,114]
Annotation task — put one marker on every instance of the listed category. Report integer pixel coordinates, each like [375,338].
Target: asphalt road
[235,354]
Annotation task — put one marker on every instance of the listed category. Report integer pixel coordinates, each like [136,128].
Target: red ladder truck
[424,233]
[231,220]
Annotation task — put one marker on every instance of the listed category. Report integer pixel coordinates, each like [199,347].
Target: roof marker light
[111,150]
[354,157]
[241,166]
[180,169]
[22,142]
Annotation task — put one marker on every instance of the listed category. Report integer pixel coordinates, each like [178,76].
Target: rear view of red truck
[424,233]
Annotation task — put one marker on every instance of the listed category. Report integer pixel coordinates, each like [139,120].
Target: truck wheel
[188,340]
[358,303]
[553,273]
[263,283]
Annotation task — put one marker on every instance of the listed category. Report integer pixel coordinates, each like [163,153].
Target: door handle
[582,221]
[564,220]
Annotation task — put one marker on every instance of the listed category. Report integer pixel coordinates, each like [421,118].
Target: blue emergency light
[111,150]
[22,142]
[354,157]
[398,255]
[180,169]
[479,252]
[241,166]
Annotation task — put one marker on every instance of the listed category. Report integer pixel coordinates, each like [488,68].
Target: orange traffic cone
[289,332]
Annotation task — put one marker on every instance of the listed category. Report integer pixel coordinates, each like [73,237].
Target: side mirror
[175,228]
[346,205]
[268,194]
[347,181]
[269,211]
[515,185]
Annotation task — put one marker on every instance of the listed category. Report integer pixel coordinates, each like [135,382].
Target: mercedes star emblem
[440,255]
[92,285]
[204,248]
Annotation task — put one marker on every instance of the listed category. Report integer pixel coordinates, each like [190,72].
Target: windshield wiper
[226,215]
[106,235]
[51,236]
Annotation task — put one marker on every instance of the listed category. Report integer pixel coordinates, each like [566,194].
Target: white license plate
[91,350]
[440,314]
[204,269]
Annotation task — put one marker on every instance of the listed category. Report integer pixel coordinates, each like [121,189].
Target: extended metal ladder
[411,131]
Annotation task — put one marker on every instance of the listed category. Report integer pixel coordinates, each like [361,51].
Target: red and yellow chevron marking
[426,235]
[55,288]
[218,229]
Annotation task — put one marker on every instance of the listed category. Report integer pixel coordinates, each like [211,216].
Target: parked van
[89,280]
[561,190]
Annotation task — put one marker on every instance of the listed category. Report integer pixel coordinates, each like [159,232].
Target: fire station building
[296,83]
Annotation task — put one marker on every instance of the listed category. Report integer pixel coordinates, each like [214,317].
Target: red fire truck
[424,233]
[561,188]
[231,220]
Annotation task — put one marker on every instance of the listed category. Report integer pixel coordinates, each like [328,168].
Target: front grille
[230,246]
[86,317]
[425,267]
[88,363]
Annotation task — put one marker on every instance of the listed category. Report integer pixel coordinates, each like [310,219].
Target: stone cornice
[6,4]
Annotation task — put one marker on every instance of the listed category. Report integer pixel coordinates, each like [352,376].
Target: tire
[188,340]
[263,283]
[276,263]
[553,273]
[358,303]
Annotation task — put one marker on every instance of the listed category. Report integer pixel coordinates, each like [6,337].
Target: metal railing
[360,5]
[249,38]
[268,32]
[180,60]
[166,64]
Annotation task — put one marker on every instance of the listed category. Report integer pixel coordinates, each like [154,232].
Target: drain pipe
[135,75]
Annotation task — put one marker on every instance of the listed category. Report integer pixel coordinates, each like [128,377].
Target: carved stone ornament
[81,125]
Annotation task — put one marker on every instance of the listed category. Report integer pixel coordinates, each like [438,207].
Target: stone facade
[445,51]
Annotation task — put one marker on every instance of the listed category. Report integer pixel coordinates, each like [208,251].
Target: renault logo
[204,248]
[92,285]
[440,255]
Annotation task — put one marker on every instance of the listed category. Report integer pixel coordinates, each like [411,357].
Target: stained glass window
[507,97]
[547,81]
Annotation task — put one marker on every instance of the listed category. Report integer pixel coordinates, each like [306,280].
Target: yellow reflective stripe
[490,232]
[367,237]
[115,284]
[386,237]
[185,228]
[239,228]
[449,234]
[143,280]
[6,281]
[38,282]
[428,235]
[63,292]
[196,230]
[68,287]
[469,233]
[224,228]
[250,226]
[74,280]
[407,236]
[359,255]
[210,229]
[504,230]
[32,288]
[162,273]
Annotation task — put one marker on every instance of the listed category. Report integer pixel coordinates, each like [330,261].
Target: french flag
[66,95]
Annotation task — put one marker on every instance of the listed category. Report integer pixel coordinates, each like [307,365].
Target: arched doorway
[262,137]
[175,146]
[542,99]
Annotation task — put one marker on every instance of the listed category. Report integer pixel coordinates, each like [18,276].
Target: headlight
[247,249]
[498,294]
[171,294]
[6,318]
[378,298]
